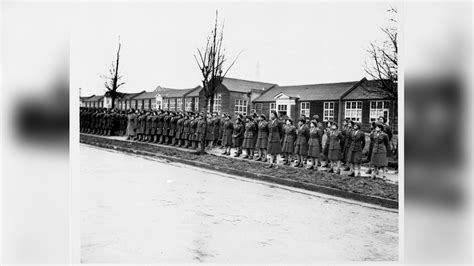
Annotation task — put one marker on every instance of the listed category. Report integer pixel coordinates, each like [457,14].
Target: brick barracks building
[361,100]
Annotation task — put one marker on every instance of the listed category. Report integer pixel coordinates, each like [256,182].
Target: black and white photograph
[238,132]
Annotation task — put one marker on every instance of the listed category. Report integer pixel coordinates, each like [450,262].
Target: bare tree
[211,63]
[383,62]
[112,81]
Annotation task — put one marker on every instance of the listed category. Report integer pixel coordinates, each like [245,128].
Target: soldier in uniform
[333,147]
[106,123]
[130,126]
[185,135]
[166,128]
[124,122]
[289,141]
[143,125]
[238,131]
[354,151]
[249,137]
[201,130]
[275,133]
[154,124]
[216,130]
[301,144]
[262,138]
[159,126]
[347,126]
[209,131]
[148,136]
[173,126]
[193,131]
[228,128]
[381,147]
[314,144]
[136,125]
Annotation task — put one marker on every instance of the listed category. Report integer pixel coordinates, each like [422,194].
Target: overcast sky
[283,43]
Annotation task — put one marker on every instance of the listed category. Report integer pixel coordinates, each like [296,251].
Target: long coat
[228,128]
[210,130]
[201,128]
[346,141]
[173,125]
[192,130]
[262,135]
[148,124]
[249,135]
[238,132]
[275,131]
[216,129]
[159,126]
[357,144]
[186,124]
[371,145]
[314,143]
[302,137]
[166,125]
[179,128]
[388,130]
[333,145]
[289,140]
[154,124]
[131,125]
[379,150]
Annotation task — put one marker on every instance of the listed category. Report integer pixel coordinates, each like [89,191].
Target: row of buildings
[362,101]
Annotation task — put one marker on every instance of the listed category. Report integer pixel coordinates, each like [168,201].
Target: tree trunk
[113,102]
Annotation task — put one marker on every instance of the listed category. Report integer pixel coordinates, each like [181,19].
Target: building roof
[83,98]
[311,92]
[145,95]
[369,89]
[175,93]
[194,92]
[94,98]
[128,96]
[240,85]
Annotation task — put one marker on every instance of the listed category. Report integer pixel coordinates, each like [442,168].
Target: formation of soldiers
[101,121]
[313,143]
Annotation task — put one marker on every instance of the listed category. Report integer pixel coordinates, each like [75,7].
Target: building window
[272,108]
[188,104]
[258,108]
[179,104]
[241,106]
[282,109]
[165,104]
[354,111]
[379,108]
[196,104]
[139,104]
[328,111]
[304,110]
[217,102]
[147,104]
[172,104]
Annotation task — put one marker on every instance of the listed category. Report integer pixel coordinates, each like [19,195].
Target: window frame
[354,112]
[306,110]
[327,115]
[374,113]
[273,107]
[241,106]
